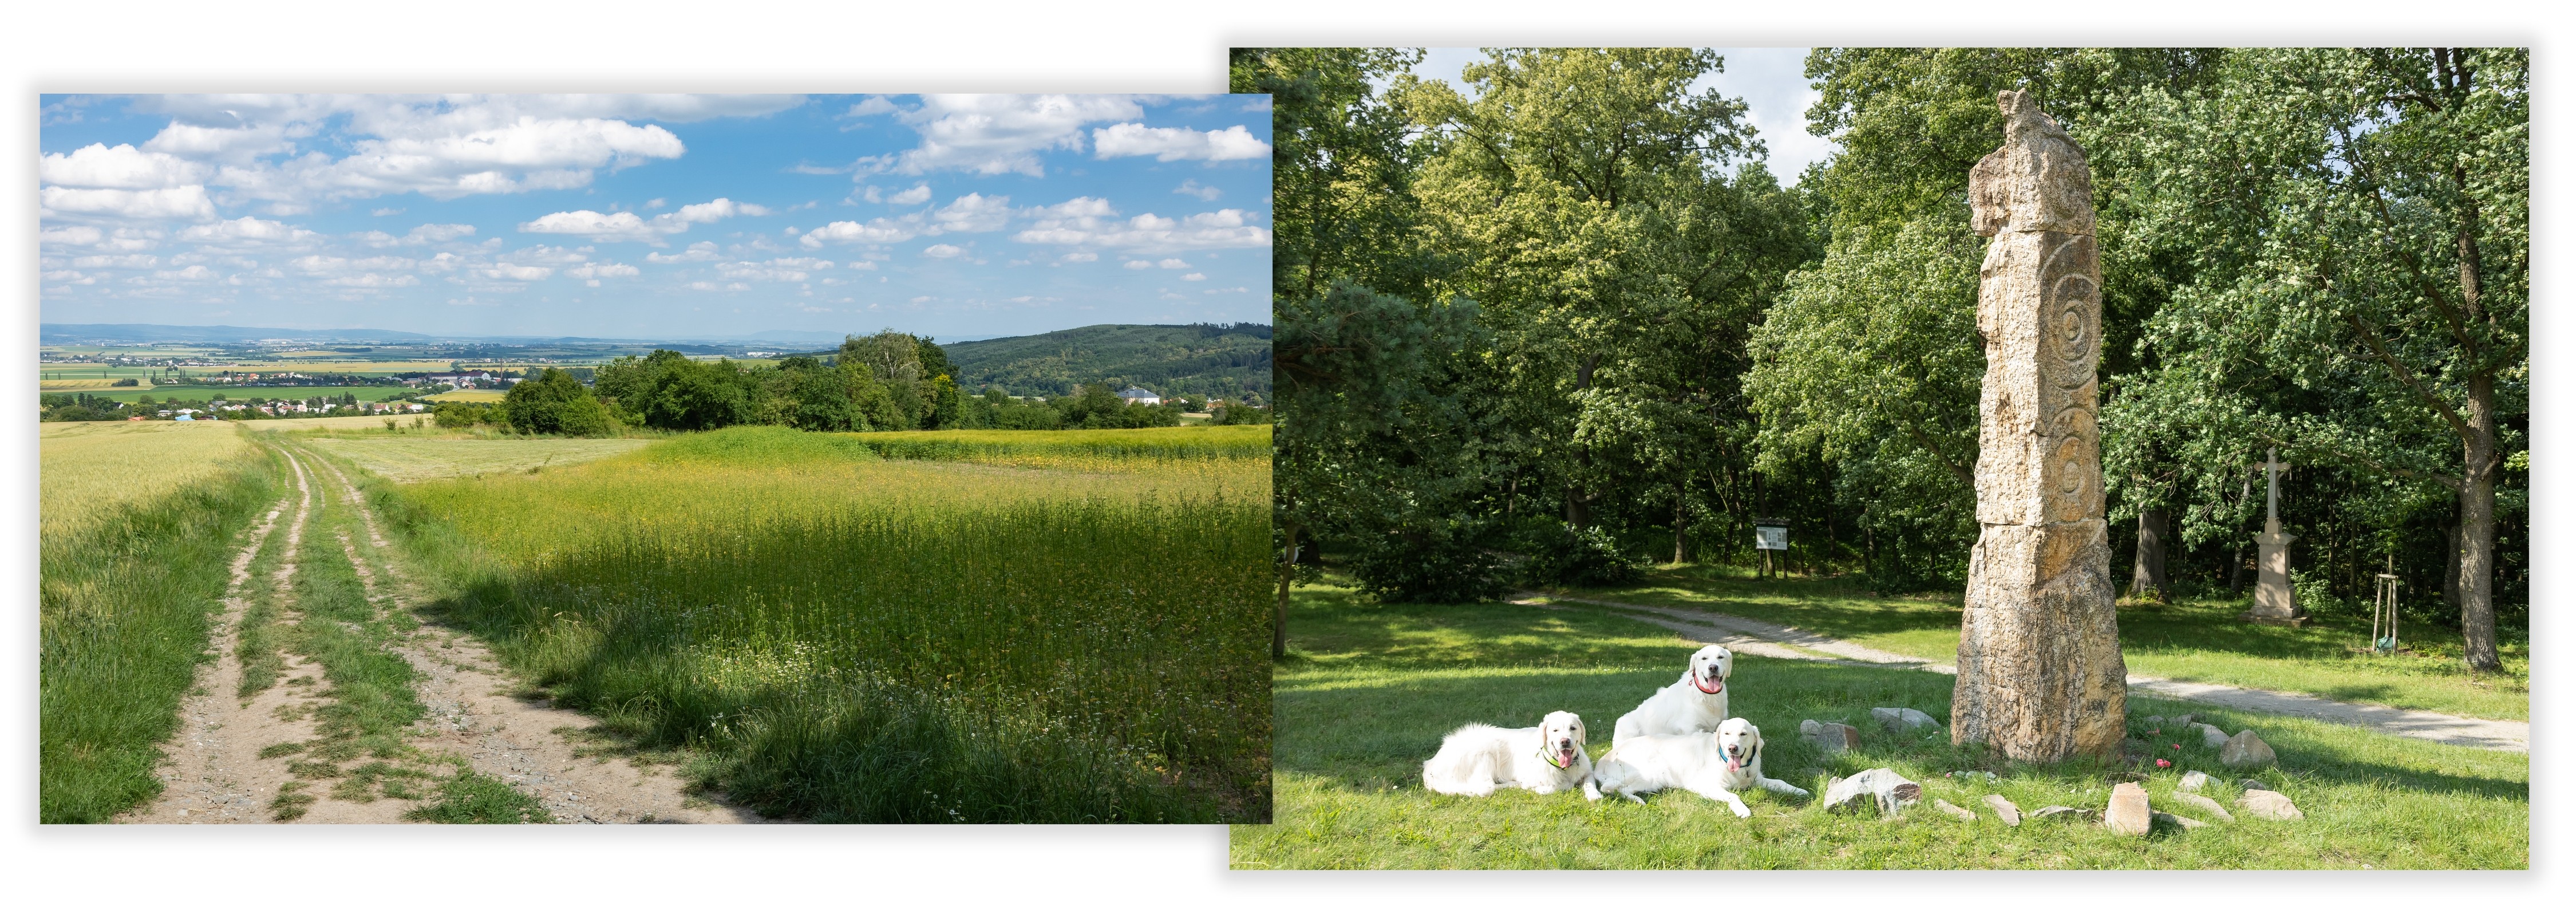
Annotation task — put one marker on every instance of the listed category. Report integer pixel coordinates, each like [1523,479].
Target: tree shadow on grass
[1370,729]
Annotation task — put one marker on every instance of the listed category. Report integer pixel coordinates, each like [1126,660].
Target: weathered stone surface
[1954,810]
[2182,821]
[2270,805]
[2274,603]
[2192,781]
[2128,811]
[2055,812]
[1830,737]
[2205,804]
[2245,750]
[2004,808]
[2040,674]
[2210,736]
[1882,788]
[1899,720]
[2187,719]
[2252,784]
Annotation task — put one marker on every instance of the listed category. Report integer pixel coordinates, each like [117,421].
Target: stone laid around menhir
[2040,674]
[2128,813]
[2270,805]
[2055,812]
[2182,821]
[2210,736]
[2205,804]
[2245,750]
[1883,788]
[1899,720]
[1955,810]
[2252,784]
[2004,808]
[2192,781]
[1830,737]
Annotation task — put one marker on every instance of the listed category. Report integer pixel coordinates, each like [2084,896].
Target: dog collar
[1550,756]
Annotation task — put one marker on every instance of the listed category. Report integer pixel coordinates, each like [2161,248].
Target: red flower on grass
[2177,747]
[2160,763]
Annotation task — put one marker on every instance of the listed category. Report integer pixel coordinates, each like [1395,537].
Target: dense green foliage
[553,403]
[1223,361]
[1568,293]
[122,612]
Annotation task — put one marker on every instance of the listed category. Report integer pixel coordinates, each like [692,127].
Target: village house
[1141,395]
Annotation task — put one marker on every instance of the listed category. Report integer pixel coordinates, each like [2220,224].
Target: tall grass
[859,640]
[1185,443]
[122,620]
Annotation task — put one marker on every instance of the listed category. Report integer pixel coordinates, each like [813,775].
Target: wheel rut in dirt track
[213,772]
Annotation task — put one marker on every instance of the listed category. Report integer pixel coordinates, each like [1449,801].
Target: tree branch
[2404,375]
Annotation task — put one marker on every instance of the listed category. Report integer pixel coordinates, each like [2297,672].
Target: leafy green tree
[2359,225]
[551,402]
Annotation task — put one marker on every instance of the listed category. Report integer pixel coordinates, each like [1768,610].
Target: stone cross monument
[2040,673]
[2273,601]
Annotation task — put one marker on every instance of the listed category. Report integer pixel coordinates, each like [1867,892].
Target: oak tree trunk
[1279,618]
[2147,573]
[2477,529]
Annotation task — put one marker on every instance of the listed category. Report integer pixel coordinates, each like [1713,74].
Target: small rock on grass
[1898,720]
[2245,750]
[2252,784]
[1954,810]
[2182,821]
[2210,736]
[2192,781]
[2004,808]
[1881,787]
[2205,804]
[2155,718]
[1829,737]
[2056,812]
[2128,813]
[2187,719]
[2270,805]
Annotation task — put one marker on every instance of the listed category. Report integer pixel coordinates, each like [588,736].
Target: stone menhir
[2040,673]
[2274,603]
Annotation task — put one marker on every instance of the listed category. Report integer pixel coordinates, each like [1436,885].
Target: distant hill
[1217,360]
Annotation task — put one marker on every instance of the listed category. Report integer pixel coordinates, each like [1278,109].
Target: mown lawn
[1369,689]
[2198,641]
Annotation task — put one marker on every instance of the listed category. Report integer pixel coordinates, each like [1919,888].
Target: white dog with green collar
[1711,765]
[1478,759]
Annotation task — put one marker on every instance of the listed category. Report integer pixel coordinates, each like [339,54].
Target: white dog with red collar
[1696,704]
[1477,759]
[1711,765]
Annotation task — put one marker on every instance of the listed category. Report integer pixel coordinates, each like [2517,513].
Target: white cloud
[995,134]
[603,271]
[79,235]
[373,280]
[1220,229]
[873,105]
[943,251]
[913,196]
[973,213]
[419,236]
[514,272]
[136,261]
[1081,257]
[99,166]
[1195,277]
[182,202]
[879,230]
[700,251]
[246,229]
[1139,264]
[1173,264]
[626,226]
[386,212]
[1133,139]
[1204,193]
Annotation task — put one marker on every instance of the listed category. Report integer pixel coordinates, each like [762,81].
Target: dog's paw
[1741,811]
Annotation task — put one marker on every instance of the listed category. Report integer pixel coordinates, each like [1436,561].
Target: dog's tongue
[1706,688]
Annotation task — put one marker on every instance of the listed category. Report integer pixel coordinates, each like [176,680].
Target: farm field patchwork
[1370,689]
[238,393]
[2199,641]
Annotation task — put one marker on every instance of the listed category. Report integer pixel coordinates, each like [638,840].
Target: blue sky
[960,217]
[1771,81]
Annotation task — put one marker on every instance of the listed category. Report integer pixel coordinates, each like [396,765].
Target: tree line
[887,381]
[1570,313]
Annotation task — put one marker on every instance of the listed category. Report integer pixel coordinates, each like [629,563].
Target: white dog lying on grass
[1476,759]
[1696,704]
[1711,765]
